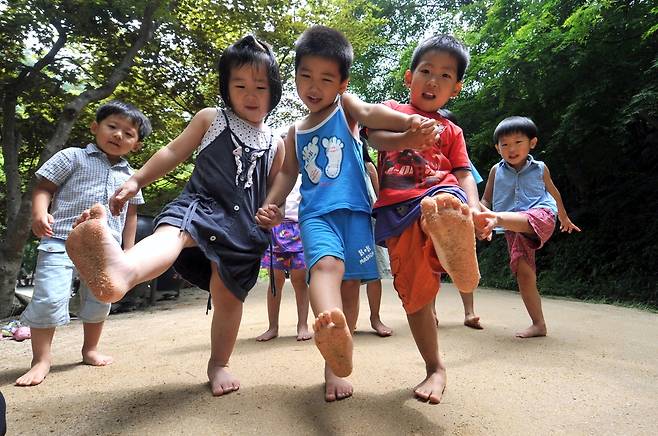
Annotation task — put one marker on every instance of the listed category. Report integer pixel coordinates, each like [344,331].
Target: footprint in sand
[334,150]
[309,154]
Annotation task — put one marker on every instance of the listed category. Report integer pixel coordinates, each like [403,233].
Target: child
[525,202]
[208,232]
[334,215]
[438,181]
[69,182]
[374,287]
[287,255]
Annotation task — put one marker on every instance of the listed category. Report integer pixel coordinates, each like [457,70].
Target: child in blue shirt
[525,201]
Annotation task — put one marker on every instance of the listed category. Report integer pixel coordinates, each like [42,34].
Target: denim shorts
[53,282]
[343,234]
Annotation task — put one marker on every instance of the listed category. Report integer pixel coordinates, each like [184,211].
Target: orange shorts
[416,268]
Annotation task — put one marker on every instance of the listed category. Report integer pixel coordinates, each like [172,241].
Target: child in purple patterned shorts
[286,257]
[525,201]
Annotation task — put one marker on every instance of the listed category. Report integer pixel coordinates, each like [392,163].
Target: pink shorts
[521,245]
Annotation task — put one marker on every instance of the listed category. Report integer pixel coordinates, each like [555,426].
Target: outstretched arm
[165,159]
[483,219]
[565,222]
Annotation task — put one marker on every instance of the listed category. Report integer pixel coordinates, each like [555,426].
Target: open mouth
[314,99]
[428,95]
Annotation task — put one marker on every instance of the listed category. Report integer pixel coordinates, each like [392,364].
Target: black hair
[117,107]
[515,124]
[327,43]
[444,43]
[249,50]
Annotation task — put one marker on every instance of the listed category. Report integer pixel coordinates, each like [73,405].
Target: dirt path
[596,373]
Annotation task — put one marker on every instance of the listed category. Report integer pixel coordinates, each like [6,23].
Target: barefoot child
[525,201]
[287,256]
[426,200]
[208,232]
[70,182]
[334,215]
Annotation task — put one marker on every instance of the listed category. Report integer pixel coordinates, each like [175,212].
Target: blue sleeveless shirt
[331,163]
[516,191]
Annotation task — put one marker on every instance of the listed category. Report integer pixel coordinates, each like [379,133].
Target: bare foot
[473,322]
[95,358]
[98,257]
[431,389]
[336,388]
[333,338]
[35,375]
[532,332]
[269,334]
[303,333]
[380,328]
[448,222]
[221,381]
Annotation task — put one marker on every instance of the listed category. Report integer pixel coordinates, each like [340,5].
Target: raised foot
[94,358]
[449,224]
[336,388]
[532,332]
[98,257]
[333,339]
[431,389]
[268,335]
[303,333]
[35,375]
[381,329]
[221,381]
[473,322]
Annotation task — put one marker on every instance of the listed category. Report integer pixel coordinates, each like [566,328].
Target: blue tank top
[521,190]
[331,163]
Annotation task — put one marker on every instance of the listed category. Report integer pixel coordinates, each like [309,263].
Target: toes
[338,318]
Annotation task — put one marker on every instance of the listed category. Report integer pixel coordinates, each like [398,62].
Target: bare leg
[423,328]
[515,222]
[107,270]
[449,224]
[436,317]
[226,317]
[298,280]
[374,291]
[528,288]
[273,306]
[42,340]
[470,319]
[90,354]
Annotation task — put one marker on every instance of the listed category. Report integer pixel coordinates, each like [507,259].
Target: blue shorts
[53,281]
[345,235]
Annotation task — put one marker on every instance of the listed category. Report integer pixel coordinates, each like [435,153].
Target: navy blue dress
[217,208]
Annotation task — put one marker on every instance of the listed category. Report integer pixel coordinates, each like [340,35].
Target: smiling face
[433,82]
[116,136]
[318,82]
[249,93]
[514,148]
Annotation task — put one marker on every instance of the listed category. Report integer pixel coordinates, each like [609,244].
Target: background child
[374,287]
[208,232]
[438,180]
[525,202]
[287,256]
[69,182]
[334,214]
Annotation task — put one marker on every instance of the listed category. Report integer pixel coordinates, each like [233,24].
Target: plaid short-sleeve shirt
[84,177]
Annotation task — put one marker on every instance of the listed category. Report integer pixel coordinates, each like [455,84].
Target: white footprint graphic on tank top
[309,154]
[334,150]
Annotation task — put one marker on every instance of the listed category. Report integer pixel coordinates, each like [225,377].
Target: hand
[422,137]
[125,192]
[41,226]
[269,216]
[567,226]
[484,222]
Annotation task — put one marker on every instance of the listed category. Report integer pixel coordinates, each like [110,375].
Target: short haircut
[443,43]
[515,124]
[117,107]
[249,51]
[328,43]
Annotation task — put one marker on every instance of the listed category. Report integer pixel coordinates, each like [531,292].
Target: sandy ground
[596,373]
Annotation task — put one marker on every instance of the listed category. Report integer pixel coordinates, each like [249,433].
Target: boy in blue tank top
[524,199]
[334,214]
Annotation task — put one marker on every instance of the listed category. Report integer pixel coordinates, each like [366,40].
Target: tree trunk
[19,221]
